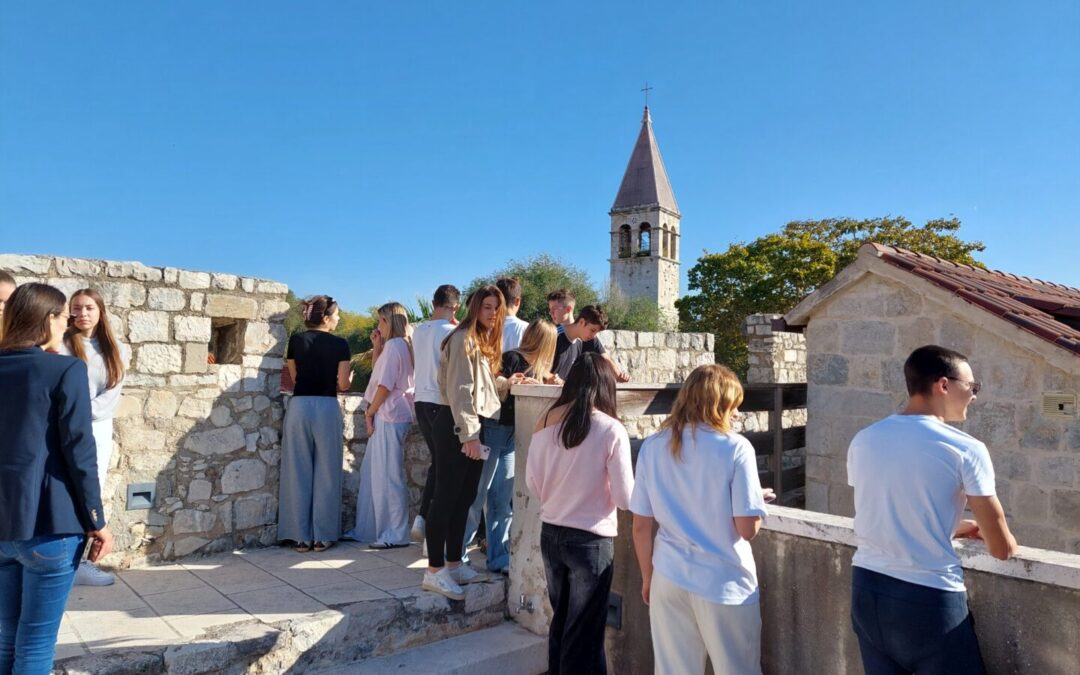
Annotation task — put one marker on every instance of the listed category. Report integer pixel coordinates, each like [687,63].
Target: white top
[694,499]
[911,475]
[513,331]
[581,487]
[103,402]
[427,342]
[394,371]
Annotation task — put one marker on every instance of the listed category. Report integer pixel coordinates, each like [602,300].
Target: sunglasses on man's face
[973,386]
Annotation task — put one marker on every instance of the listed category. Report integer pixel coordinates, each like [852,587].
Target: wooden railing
[774,399]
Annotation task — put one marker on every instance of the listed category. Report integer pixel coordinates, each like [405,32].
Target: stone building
[645,230]
[195,461]
[1022,337]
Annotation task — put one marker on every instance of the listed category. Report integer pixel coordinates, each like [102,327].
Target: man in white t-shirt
[513,327]
[427,349]
[913,475]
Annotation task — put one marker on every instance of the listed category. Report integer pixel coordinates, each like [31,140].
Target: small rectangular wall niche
[227,341]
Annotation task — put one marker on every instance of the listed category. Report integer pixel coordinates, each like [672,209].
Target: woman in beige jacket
[471,387]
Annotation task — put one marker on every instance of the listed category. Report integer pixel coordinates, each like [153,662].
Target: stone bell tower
[645,230]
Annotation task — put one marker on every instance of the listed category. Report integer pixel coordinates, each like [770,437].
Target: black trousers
[579,568]
[456,478]
[425,419]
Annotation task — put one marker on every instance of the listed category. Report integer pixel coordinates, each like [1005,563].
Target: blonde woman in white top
[91,339]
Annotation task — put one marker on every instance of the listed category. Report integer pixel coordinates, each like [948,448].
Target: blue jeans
[35,579]
[579,566]
[495,495]
[908,628]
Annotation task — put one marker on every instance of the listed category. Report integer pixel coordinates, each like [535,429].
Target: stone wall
[206,436]
[857,342]
[652,358]
[774,356]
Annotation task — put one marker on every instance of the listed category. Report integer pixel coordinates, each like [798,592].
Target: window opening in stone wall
[665,241]
[226,341]
[624,241]
[674,244]
[644,240]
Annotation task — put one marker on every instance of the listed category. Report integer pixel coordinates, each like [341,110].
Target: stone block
[231,306]
[254,511]
[229,377]
[243,475]
[254,380]
[265,338]
[136,379]
[261,403]
[867,337]
[242,403]
[1039,432]
[136,439]
[195,381]
[271,287]
[25,264]
[169,299]
[161,404]
[216,441]
[197,301]
[197,658]
[193,280]
[187,546]
[1058,471]
[141,272]
[158,359]
[992,422]
[914,333]
[823,336]
[248,285]
[148,326]
[191,521]
[1065,507]
[118,269]
[130,406]
[196,355]
[79,267]
[199,490]
[1012,466]
[221,416]
[121,294]
[902,301]
[1030,503]
[841,499]
[225,282]
[827,369]
[170,275]
[955,333]
[191,328]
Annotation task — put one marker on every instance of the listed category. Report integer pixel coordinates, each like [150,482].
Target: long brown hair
[538,347]
[590,385]
[710,396]
[398,319]
[27,314]
[489,342]
[103,333]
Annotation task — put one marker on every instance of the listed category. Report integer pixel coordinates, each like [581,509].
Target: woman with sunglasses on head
[90,339]
[50,497]
[471,387]
[698,480]
[579,467]
[309,502]
[382,502]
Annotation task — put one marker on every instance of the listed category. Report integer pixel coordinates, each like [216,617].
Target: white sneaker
[89,575]
[442,582]
[418,529]
[464,574]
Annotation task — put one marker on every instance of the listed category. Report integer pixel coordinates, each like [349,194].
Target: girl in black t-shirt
[311,448]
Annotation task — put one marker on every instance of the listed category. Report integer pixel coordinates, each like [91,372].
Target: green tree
[539,275]
[773,273]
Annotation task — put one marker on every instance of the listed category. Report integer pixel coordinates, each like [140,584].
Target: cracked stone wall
[857,342]
[207,436]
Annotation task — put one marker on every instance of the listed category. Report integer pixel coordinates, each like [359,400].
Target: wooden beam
[793,437]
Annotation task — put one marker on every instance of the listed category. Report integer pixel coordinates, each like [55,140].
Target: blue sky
[375,150]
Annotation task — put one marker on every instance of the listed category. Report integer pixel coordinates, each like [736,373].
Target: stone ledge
[1030,564]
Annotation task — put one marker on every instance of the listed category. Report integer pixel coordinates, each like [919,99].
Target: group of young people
[695,493]
[61,373]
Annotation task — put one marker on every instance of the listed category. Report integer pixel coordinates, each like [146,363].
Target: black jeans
[908,628]
[579,567]
[456,478]
[425,419]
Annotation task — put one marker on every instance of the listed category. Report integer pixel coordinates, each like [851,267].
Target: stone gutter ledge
[1030,564]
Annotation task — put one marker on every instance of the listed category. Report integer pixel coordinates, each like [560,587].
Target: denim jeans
[35,579]
[494,495]
[579,568]
[908,628]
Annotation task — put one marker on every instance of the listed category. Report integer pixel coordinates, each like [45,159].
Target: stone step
[506,649]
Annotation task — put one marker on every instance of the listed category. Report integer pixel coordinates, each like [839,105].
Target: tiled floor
[170,603]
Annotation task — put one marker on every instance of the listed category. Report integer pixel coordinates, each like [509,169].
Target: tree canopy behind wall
[773,273]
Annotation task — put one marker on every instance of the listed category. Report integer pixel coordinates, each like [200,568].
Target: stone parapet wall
[206,436]
[654,358]
[774,356]
[858,341]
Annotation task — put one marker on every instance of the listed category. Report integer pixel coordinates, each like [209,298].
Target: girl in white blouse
[91,338]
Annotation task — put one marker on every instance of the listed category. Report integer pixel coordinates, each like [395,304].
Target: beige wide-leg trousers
[686,628]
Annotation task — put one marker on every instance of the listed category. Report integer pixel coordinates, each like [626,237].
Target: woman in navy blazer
[50,501]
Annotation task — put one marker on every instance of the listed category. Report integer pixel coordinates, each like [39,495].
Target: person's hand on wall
[967,529]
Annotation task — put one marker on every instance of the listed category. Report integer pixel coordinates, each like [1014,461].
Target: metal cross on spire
[647,89]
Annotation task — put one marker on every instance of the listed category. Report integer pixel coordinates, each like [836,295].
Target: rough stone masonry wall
[857,343]
[774,356]
[655,358]
[206,435]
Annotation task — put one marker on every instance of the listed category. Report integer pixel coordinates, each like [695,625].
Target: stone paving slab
[256,606]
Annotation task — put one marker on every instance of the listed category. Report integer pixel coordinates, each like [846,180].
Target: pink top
[393,370]
[582,486]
